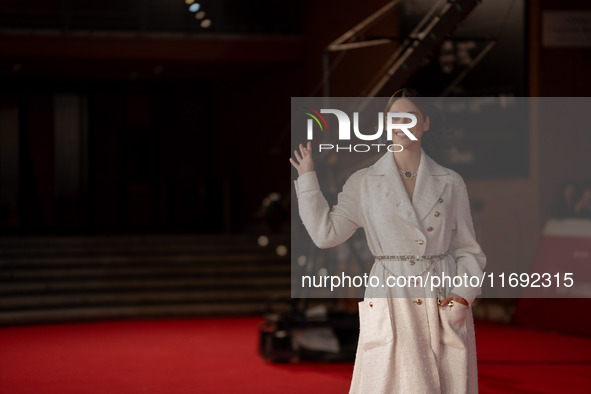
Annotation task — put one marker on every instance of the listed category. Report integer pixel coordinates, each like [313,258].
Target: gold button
[436,214]
[440,200]
[430,229]
[418,302]
[371,304]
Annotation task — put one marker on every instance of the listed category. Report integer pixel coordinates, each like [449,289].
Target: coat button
[440,200]
[430,228]
[418,302]
[436,214]
[420,241]
[371,304]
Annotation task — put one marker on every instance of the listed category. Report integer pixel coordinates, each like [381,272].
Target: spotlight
[263,240]
[302,260]
[281,250]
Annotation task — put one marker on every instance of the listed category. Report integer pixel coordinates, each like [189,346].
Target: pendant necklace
[408,174]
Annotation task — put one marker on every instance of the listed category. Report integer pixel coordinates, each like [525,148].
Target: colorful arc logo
[315,115]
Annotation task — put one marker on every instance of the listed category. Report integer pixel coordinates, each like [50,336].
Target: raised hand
[304,162]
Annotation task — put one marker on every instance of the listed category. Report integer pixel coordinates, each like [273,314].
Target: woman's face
[398,137]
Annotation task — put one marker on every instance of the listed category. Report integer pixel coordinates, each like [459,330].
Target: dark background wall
[113,119]
[560,71]
[164,126]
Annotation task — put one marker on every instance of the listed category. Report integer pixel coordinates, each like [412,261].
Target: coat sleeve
[470,258]
[328,227]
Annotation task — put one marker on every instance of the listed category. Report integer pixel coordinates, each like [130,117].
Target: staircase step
[137,297]
[140,259]
[37,316]
[92,284]
[74,278]
[144,272]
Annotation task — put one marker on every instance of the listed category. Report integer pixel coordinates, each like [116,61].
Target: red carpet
[220,356]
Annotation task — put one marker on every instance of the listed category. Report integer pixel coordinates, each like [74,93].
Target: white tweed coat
[407,344]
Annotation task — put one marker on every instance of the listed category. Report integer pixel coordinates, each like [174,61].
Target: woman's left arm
[470,258]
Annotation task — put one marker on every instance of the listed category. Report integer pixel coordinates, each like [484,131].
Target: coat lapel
[431,182]
[390,192]
[430,185]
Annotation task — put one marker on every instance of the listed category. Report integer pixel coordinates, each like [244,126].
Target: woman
[416,216]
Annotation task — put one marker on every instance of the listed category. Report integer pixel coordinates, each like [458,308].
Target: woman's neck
[408,159]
